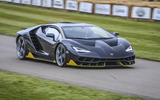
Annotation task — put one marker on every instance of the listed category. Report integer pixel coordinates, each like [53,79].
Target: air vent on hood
[86,42]
[112,42]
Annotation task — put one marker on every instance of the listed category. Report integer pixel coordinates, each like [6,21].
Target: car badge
[111,54]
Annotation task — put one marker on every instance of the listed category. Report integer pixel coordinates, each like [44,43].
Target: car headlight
[80,50]
[129,49]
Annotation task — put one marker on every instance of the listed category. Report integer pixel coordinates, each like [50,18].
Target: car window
[54,31]
[86,32]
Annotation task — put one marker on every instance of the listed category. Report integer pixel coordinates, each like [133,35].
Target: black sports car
[74,44]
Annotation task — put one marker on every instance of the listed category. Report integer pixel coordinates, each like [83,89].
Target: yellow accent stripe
[30,55]
[54,61]
[72,63]
[105,64]
[121,63]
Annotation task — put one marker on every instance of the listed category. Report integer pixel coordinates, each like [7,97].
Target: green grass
[144,36]
[21,87]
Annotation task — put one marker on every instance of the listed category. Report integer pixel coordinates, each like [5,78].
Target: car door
[49,43]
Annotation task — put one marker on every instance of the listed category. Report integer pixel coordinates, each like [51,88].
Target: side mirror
[51,35]
[115,34]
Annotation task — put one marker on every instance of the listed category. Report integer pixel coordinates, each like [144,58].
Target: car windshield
[86,32]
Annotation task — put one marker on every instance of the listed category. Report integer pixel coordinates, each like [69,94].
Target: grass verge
[144,36]
[21,87]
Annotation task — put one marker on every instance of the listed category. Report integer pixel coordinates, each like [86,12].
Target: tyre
[21,48]
[61,55]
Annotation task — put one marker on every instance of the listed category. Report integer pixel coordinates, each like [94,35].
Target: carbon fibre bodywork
[103,52]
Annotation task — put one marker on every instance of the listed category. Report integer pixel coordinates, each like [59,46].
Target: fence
[88,6]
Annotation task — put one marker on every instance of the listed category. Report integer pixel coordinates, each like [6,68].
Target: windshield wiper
[98,38]
[91,38]
[77,38]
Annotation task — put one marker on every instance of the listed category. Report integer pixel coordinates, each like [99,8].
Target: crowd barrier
[134,12]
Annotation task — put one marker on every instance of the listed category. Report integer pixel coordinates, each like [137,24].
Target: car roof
[62,24]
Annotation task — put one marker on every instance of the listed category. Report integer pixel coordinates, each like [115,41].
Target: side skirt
[30,56]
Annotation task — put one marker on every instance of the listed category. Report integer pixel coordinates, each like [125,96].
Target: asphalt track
[141,79]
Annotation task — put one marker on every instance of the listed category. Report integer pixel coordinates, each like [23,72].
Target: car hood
[102,48]
[93,43]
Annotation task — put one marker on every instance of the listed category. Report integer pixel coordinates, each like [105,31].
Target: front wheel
[61,55]
[21,48]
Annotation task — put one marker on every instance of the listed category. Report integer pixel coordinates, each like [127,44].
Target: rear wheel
[61,55]
[21,48]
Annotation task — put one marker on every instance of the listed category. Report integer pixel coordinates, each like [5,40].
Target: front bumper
[100,62]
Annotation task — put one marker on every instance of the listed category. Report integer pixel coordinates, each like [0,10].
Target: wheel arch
[18,37]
